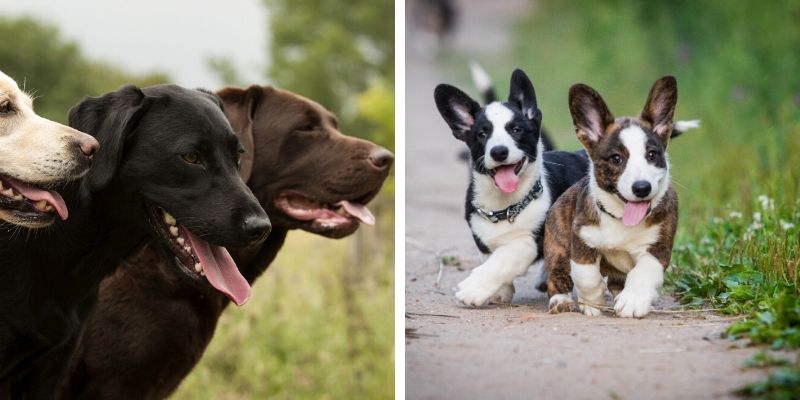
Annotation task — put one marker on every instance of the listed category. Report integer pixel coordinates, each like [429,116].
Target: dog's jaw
[488,195]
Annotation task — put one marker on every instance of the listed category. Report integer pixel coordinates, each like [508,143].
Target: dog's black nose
[641,188]
[381,158]
[257,228]
[499,153]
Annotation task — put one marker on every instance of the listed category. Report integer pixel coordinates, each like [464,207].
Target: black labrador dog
[167,171]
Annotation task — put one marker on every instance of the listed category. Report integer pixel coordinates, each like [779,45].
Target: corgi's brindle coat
[619,221]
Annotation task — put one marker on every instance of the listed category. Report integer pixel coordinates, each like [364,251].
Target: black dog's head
[503,138]
[173,158]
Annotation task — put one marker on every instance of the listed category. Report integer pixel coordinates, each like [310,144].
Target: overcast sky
[173,36]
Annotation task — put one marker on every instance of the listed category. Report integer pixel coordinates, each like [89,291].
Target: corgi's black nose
[641,188]
[499,153]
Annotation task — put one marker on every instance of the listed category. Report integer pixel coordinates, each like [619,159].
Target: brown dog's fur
[152,325]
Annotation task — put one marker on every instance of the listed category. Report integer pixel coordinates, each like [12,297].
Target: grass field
[738,176]
[320,324]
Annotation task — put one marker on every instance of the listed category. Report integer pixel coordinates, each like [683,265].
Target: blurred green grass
[320,324]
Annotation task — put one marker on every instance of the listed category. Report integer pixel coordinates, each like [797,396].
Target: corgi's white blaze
[637,168]
[499,115]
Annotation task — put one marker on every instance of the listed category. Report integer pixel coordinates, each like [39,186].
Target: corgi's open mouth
[200,259]
[635,212]
[327,215]
[26,205]
[506,177]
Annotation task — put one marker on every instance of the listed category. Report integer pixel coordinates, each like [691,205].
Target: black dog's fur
[49,278]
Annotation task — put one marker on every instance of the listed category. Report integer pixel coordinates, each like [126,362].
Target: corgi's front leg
[589,286]
[497,273]
[641,288]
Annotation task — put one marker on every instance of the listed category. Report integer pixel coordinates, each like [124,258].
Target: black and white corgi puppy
[619,222]
[513,183]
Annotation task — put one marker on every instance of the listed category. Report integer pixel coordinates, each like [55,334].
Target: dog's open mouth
[635,212]
[506,177]
[327,215]
[31,205]
[200,259]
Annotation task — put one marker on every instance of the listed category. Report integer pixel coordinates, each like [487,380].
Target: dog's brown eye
[651,155]
[516,129]
[482,134]
[6,108]
[616,159]
[191,158]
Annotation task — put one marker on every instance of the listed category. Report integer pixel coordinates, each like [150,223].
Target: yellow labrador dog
[35,153]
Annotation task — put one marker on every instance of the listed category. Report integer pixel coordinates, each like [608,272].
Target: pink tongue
[36,194]
[634,212]
[506,179]
[359,211]
[220,269]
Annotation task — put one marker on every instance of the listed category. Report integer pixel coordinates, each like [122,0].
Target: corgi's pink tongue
[506,179]
[35,194]
[634,212]
[221,271]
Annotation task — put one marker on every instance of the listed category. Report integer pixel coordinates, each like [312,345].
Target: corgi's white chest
[621,245]
[494,235]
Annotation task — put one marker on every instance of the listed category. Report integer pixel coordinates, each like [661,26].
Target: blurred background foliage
[320,323]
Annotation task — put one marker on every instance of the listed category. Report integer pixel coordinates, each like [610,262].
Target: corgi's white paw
[477,288]
[560,303]
[634,303]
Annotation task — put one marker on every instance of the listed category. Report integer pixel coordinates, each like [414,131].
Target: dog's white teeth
[198,267]
[180,241]
[173,230]
[18,197]
[169,219]
[187,249]
[8,192]
[41,205]
[1,186]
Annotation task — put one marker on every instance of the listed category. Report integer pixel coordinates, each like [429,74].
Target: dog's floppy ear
[111,119]
[659,108]
[240,108]
[523,95]
[457,109]
[590,115]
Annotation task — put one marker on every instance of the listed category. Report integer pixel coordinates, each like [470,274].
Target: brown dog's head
[305,173]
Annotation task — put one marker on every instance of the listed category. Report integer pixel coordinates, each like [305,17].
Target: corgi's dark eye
[516,130]
[651,155]
[482,133]
[191,158]
[615,159]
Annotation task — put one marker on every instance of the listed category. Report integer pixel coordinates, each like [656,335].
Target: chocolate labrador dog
[167,170]
[152,324]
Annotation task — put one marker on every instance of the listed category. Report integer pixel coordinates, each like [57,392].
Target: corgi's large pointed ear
[590,115]
[457,109]
[522,95]
[660,106]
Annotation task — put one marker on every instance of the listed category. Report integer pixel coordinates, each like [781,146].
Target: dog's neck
[488,196]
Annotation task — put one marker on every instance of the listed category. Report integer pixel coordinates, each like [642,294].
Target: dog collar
[510,213]
[603,209]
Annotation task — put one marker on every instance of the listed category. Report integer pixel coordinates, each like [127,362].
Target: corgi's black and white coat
[513,183]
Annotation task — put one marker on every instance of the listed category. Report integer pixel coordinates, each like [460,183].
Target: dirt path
[520,351]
